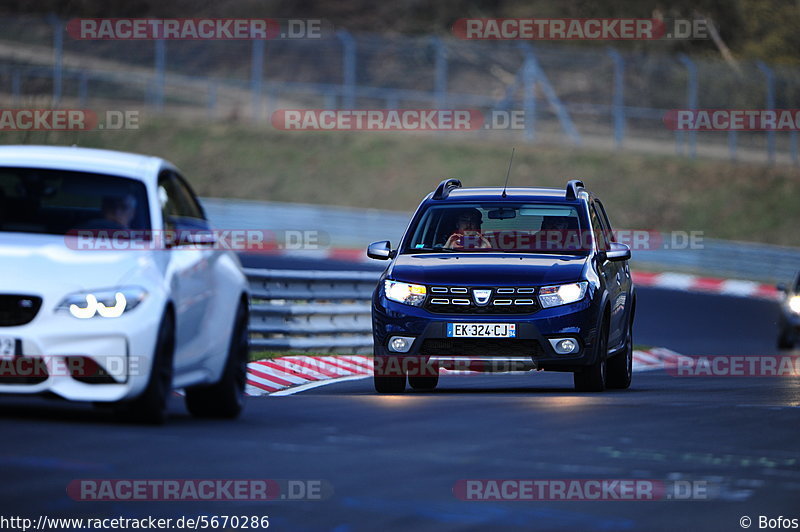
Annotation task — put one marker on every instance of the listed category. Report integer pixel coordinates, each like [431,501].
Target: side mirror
[618,252]
[380,250]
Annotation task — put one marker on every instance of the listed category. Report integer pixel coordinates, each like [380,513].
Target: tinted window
[33,200]
[525,228]
[177,200]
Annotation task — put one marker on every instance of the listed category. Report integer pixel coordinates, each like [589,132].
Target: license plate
[8,346]
[481,330]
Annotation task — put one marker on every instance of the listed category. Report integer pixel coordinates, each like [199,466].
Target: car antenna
[508,172]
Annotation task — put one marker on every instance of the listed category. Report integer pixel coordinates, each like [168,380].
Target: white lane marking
[317,384]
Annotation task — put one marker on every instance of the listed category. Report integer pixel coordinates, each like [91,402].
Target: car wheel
[620,366]
[426,383]
[593,378]
[151,406]
[225,399]
[393,383]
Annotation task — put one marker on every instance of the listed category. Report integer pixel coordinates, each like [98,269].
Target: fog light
[564,346]
[400,344]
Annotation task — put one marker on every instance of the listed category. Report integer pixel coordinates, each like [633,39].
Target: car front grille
[461,300]
[18,309]
[480,347]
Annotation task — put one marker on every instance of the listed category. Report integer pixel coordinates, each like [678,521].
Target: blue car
[495,279]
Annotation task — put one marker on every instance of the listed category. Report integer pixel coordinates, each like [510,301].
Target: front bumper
[533,331]
[58,354]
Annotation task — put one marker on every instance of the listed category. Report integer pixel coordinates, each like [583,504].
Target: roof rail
[572,188]
[444,188]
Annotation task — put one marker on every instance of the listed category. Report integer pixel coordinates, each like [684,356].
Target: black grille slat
[501,294]
[480,347]
[18,309]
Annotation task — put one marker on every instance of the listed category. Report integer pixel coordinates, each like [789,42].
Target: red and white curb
[292,374]
[694,283]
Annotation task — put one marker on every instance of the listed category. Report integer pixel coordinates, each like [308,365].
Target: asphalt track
[392,461]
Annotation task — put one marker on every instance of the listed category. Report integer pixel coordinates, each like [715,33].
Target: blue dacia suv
[491,279]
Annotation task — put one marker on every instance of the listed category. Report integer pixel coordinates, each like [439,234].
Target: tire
[593,378]
[786,339]
[619,370]
[225,399]
[426,383]
[151,406]
[389,383]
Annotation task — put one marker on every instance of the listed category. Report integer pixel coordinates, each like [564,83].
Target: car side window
[597,228]
[177,200]
[601,211]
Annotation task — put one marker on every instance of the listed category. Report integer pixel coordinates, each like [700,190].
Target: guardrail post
[256,75]
[440,79]
[529,98]
[58,59]
[160,72]
[618,105]
[770,86]
[691,98]
[348,68]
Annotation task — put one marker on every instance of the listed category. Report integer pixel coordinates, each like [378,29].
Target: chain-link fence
[594,96]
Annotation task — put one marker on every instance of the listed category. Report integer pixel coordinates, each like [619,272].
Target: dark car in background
[495,280]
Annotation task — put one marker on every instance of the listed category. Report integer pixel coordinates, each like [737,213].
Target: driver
[467,234]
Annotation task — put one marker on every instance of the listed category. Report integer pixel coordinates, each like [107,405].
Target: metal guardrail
[320,311]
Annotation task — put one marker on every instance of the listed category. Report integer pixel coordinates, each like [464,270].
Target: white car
[112,289]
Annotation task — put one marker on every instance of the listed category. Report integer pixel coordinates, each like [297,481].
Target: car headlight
[410,294]
[562,294]
[106,303]
[794,304]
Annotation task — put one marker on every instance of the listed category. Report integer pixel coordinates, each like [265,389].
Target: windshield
[57,202]
[506,227]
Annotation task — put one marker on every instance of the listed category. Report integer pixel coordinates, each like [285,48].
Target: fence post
[691,97]
[83,89]
[348,68]
[256,75]
[212,99]
[440,79]
[529,98]
[732,144]
[58,59]
[16,87]
[619,96]
[160,73]
[770,79]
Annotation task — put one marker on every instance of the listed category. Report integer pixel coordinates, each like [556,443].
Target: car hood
[487,269]
[43,264]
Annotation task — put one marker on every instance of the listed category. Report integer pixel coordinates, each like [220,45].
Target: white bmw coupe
[112,289]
